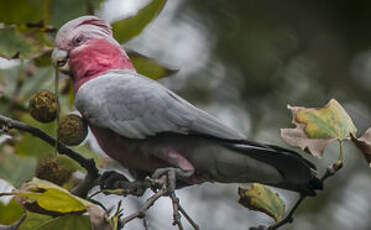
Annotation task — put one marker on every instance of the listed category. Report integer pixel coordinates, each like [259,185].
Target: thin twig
[177,209]
[189,219]
[88,164]
[6,194]
[176,214]
[330,171]
[289,217]
[147,205]
[56,92]
[93,174]
[144,222]
[42,27]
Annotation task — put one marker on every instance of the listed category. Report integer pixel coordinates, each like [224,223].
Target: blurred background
[244,61]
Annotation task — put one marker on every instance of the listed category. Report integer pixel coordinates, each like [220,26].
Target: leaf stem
[339,163]
[56,86]
[340,151]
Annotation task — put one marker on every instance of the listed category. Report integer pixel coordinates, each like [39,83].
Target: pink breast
[127,152]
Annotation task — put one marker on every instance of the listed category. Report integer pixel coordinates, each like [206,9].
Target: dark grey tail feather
[299,174]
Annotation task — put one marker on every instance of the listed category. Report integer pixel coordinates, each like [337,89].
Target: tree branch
[88,164]
[162,185]
[190,220]
[330,171]
[176,214]
[177,210]
[93,174]
[147,205]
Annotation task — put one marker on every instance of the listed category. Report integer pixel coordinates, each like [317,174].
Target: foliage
[16,169]
[260,198]
[127,28]
[14,212]
[364,144]
[26,35]
[317,127]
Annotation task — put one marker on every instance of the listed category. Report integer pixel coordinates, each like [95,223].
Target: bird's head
[85,48]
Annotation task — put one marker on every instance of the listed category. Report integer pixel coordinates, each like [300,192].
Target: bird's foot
[171,175]
[111,180]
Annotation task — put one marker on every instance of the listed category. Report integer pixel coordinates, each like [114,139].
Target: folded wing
[137,107]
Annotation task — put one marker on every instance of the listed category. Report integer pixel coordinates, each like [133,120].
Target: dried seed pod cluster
[72,129]
[43,106]
[53,170]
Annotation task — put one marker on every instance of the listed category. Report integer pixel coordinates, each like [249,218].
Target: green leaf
[55,200]
[326,122]
[317,127]
[33,221]
[36,221]
[53,12]
[67,223]
[260,198]
[24,11]
[13,43]
[44,60]
[127,28]
[10,213]
[16,169]
[150,67]
[51,197]
[66,10]
[22,43]
[47,198]
[96,4]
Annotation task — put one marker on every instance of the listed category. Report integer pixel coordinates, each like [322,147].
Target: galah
[151,130]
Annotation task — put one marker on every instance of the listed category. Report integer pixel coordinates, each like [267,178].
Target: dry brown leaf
[297,137]
[317,127]
[364,144]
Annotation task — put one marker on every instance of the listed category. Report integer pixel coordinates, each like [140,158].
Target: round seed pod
[43,106]
[72,129]
[53,170]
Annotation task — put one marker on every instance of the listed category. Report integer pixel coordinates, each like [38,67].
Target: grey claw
[172,175]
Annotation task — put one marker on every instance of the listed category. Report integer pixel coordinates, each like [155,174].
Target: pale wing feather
[137,107]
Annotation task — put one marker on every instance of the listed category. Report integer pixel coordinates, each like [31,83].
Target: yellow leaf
[317,127]
[50,197]
[55,200]
[260,198]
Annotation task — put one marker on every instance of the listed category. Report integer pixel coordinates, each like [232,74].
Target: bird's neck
[95,58]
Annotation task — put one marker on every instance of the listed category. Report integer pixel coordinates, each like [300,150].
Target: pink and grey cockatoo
[150,129]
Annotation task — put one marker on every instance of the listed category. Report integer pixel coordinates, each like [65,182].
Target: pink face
[85,49]
[95,57]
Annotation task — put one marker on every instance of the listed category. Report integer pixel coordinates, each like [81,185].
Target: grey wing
[137,107]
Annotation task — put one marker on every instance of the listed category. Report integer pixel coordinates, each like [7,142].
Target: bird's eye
[78,40]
